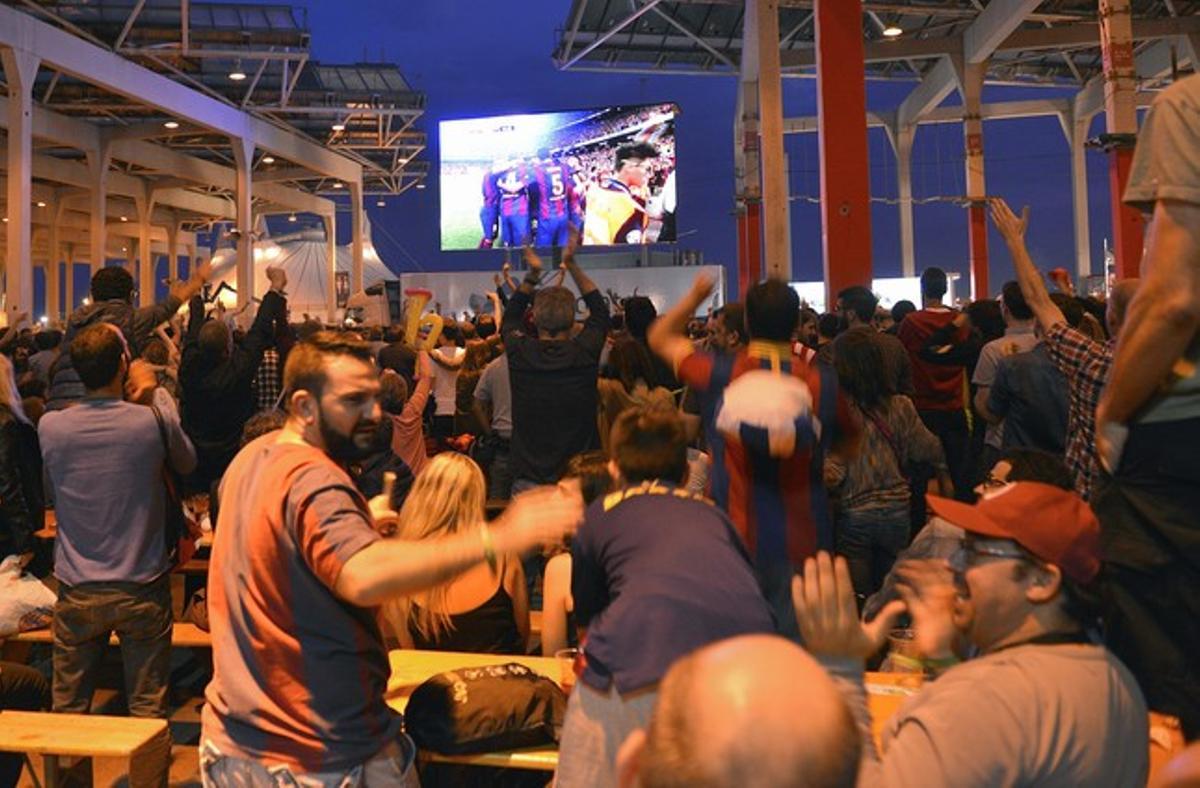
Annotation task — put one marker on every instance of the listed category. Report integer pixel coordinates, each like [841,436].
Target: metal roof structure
[269,44]
[173,114]
[1057,44]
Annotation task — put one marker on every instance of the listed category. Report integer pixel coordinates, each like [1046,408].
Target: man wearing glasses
[1040,704]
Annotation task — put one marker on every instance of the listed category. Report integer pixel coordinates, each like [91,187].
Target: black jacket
[136,323]
[22,501]
[217,397]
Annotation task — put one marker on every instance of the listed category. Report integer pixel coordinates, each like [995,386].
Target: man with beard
[1040,704]
[298,567]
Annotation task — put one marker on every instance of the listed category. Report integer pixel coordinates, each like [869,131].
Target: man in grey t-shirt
[1148,424]
[493,407]
[1040,705]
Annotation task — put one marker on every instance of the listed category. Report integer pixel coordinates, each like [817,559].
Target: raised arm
[582,280]
[1012,228]
[667,336]
[1163,317]
[395,567]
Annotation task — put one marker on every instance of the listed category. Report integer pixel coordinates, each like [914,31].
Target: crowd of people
[730,512]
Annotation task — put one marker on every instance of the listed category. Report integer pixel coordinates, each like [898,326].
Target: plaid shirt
[267,383]
[1085,364]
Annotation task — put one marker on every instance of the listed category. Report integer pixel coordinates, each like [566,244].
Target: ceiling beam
[995,23]
[65,52]
[129,148]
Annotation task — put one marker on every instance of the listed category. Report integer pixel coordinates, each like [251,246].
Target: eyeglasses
[971,553]
[993,483]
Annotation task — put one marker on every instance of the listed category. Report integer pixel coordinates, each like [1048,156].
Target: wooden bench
[77,735]
[184,634]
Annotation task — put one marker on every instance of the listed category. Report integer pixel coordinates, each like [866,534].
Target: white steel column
[52,259]
[173,249]
[904,145]
[98,162]
[20,71]
[330,221]
[192,261]
[762,26]
[1076,129]
[972,77]
[69,282]
[356,237]
[145,256]
[243,154]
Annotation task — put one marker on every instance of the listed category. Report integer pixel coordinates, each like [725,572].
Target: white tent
[303,256]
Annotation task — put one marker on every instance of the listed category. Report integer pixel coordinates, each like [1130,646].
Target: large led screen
[516,179]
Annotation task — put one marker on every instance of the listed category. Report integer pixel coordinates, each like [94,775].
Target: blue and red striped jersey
[777,503]
[555,191]
[514,190]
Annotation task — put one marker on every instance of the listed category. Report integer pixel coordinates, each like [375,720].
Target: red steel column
[842,123]
[754,242]
[1120,114]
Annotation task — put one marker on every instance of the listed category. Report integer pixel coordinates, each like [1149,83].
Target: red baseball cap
[1054,524]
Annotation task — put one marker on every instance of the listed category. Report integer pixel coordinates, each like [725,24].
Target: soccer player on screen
[557,206]
[514,186]
[489,214]
[616,208]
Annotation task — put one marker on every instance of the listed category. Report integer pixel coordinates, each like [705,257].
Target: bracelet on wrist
[489,547]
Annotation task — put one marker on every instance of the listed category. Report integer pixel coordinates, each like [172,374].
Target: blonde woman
[485,609]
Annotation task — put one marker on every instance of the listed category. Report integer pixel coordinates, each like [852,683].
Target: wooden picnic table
[885,693]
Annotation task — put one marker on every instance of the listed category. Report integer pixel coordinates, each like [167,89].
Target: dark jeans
[950,426]
[499,475]
[1149,514]
[870,542]
[21,689]
[86,615]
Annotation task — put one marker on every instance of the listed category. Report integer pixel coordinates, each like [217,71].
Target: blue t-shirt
[657,572]
[104,460]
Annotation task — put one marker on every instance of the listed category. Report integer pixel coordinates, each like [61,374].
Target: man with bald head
[1084,362]
[730,715]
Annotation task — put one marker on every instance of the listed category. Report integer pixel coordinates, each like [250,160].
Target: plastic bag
[25,602]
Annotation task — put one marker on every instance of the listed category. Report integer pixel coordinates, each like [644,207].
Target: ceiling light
[420,186]
[6,220]
[124,218]
[171,124]
[380,203]
[124,249]
[237,75]
[291,217]
[339,185]
[892,31]
[41,203]
[268,159]
[338,126]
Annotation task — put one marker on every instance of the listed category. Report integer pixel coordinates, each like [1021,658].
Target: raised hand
[927,588]
[1008,223]
[538,518]
[278,278]
[827,614]
[140,382]
[532,260]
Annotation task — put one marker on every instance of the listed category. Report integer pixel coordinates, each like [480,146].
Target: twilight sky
[476,58]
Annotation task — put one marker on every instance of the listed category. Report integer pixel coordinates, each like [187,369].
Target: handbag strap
[162,433]
[887,436]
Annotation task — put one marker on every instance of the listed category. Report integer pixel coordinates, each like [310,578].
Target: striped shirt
[298,674]
[778,504]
